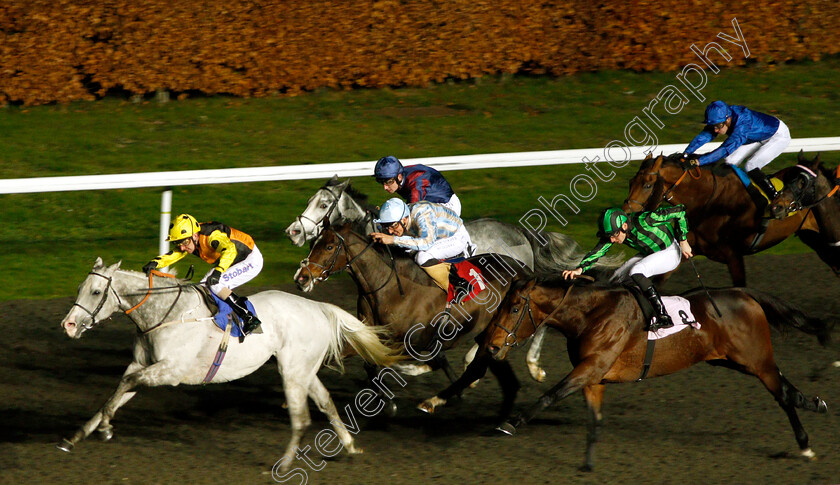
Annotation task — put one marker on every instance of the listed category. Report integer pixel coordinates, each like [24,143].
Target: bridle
[510,338]
[108,290]
[328,269]
[808,190]
[319,225]
[667,195]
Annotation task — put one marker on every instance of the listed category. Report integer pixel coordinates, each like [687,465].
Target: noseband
[92,314]
[319,225]
[510,338]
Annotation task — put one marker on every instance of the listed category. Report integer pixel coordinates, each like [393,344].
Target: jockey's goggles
[386,181]
[180,242]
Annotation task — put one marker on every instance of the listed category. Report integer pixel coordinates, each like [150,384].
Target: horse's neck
[711,191]
[371,271]
[169,305]
[350,210]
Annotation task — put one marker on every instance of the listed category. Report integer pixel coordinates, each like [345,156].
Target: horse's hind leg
[319,393]
[594,396]
[789,398]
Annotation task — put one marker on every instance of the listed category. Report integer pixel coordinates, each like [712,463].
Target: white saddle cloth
[679,310]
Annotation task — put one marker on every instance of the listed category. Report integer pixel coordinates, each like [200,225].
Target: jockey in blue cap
[435,232]
[415,183]
[759,136]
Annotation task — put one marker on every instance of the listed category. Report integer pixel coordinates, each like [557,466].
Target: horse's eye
[97,292]
[515,309]
[648,186]
[329,247]
[323,206]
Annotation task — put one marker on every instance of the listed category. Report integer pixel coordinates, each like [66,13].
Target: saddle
[466,280]
[222,312]
[677,307]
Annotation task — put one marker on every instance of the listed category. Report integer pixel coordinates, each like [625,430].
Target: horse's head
[513,322]
[96,301]
[647,186]
[801,188]
[327,256]
[324,205]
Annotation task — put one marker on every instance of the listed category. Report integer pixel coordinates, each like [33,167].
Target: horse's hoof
[822,407]
[586,467]
[507,428]
[836,363]
[390,409]
[106,434]
[537,372]
[429,405]
[65,445]
[475,383]
[808,454]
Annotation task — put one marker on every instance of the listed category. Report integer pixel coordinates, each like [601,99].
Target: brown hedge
[64,50]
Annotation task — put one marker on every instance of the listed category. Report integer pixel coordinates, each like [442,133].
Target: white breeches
[458,244]
[654,264]
[763,152]
[454,205]
[239,273]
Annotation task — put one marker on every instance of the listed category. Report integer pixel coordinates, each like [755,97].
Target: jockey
[433,230]
[652,235]
[234,254]
[415,183]
[750,134]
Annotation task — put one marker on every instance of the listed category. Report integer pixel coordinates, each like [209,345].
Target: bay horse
[606,338]
[395,293]
[723,221]
[810,186]
[176,342]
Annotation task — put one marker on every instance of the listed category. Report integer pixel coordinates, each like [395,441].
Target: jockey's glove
[149,267]
[213,278]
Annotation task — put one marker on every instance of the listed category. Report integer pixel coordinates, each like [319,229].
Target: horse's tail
[555,252]
[365,340]
[782,315]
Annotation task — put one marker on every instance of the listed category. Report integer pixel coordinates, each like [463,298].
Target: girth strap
[651,344]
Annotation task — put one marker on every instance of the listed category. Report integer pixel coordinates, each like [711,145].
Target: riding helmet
[387,168]
[182,227]
[717,112]
[610,221]
[392,210]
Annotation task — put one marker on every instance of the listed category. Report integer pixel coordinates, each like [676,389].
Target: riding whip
[704,287]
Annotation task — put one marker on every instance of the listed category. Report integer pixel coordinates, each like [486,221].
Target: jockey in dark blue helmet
[759,136]
[415,183]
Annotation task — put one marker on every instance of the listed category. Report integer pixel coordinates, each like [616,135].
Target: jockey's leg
[250,322]
[439,272]
[661,319]
[767,151]
[763,182]
[654,264]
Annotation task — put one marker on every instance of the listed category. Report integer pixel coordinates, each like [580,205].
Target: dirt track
[702,426]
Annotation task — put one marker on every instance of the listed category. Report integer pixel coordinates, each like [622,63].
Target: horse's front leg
[533,358]
[594,396]
[473,372]
[136,374]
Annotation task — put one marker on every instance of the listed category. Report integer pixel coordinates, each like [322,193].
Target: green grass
[51,239]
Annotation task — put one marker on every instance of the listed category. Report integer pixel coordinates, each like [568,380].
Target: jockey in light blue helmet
[392,210]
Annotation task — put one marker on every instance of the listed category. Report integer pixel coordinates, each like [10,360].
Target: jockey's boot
[439,272]
[661,318]
[460,286]
[763,182]
[250,322]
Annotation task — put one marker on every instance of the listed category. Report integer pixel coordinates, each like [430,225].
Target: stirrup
[250,324]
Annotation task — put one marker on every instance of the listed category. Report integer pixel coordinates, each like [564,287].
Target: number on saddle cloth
[466,280]
[225,310]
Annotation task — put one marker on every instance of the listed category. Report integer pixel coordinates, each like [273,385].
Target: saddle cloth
[221,318]
[469,272]
[679,310]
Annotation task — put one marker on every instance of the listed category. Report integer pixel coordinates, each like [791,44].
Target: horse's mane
[158,279]
[358,197]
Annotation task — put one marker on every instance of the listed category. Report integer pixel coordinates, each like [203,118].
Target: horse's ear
[801,157]
[817,161]
[115,266]
[649,155]
[98,263]
[334,178]
[657,164]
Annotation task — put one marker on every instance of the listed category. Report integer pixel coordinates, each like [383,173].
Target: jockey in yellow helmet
[234,255]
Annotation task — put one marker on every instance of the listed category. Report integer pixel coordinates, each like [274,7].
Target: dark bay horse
[723,220]
[809,186]
[395,292]
[604,328]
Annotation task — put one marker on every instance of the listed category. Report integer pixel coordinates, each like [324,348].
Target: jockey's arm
[701,139]
[224,246]
[169,258]
[676,213]
[735,140]
[593,256]
[427,229]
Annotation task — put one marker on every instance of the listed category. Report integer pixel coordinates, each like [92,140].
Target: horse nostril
[493,349]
